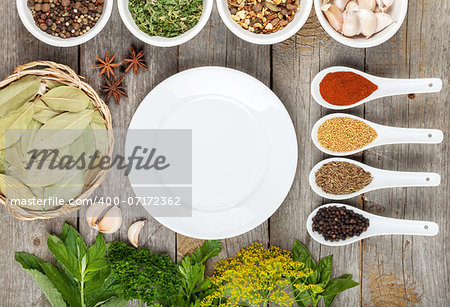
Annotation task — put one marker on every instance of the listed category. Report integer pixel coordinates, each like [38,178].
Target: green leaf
[17,191]
[301,253]
[325,268]
[62,130]
[85,144]
[51,293]
[68,188]
[17,93]
[328,300]
[14,122]
[108,290]
[29,262]
[338,285]
[28,136]
[98,249]
[115,302]
[68,260]
[97,280]
[209,249]
[302,298]
[45,115]
[66,98]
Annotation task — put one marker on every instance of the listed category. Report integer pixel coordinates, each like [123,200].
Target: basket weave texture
[63,74]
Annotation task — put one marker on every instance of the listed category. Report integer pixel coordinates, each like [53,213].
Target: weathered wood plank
[295,63]
[19,289]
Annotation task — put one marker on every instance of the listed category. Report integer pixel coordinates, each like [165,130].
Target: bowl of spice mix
[64,23]
[165,23]
[361,23]
[264,22]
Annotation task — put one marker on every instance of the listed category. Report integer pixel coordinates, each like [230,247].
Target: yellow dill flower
[256,276]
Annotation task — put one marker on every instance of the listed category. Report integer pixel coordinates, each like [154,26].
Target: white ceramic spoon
[381,179]
[378,226]
[386,87]
[386,135]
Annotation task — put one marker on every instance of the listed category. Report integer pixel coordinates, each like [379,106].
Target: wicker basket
[60,73]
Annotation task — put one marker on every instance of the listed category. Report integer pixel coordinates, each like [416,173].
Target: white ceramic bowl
[397,11]
[163,41]
[28,21]
[265,39]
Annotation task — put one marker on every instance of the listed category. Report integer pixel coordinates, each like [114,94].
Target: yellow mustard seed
[342,134]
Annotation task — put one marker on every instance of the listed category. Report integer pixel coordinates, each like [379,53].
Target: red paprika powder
[345,88]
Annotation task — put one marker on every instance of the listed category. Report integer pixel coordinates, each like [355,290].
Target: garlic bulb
[351,25]
[383,21]
[133,232]
[340,4]
[368,22]
[367,4]
[111,221]
[334,16]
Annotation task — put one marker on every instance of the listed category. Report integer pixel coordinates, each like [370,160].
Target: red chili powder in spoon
[344,88]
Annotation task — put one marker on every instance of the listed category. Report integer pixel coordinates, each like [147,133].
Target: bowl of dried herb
[64,23]
[165,23]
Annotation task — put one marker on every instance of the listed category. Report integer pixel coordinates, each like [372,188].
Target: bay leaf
[27,138]
[62,130]
[18,93]
[84,144]
[14,157]
[91,174]
[39,105]
[53,84]
[42,176]
[45,115]
[98,126]
[17,193]
[68,188]
[15,122]
[66,98]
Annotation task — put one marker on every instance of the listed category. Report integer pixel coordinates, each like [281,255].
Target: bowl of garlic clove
[361,23]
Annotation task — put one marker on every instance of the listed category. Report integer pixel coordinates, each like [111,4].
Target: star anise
[114,88]
[134,61]
[106,65]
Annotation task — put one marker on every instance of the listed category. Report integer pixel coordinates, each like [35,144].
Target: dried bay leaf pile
[37,115]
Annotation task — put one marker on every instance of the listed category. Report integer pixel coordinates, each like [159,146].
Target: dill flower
[256,276]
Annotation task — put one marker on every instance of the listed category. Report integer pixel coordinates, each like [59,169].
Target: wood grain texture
[393,271]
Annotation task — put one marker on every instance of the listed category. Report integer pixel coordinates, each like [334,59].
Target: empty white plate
[244,148]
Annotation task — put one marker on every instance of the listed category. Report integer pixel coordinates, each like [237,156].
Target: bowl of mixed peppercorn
[64,23]
[264,22]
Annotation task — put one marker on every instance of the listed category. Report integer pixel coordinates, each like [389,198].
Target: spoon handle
[392,179]
[388,226]
[392,87]
[394,135]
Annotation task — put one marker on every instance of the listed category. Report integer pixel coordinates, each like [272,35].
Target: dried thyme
[166,18]
[340,178]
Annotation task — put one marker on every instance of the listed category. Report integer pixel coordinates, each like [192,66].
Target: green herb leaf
[14,122]
[61,252]
[51,293]
[209,249]
[325,268]
[338,285]
[328,300]
[18,93]
[301,253]
[66,98]
[44,116]
[68,188]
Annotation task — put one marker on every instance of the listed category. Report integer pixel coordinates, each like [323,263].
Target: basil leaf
[97,280]
[66,259]
[108,289]
[325,268]
[51,293]
[98,249]
[209,249]
[301,253]
[328,300]
[338,285]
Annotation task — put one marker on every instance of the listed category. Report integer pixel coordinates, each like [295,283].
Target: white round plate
[244,148]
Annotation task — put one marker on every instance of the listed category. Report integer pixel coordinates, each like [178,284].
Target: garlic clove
[384,4]
[367,4]
[383,21]
[111,222]
[133,232]
[351,25]
[340,4]
[368,22]
[334,16]
[93,212]
[352,6]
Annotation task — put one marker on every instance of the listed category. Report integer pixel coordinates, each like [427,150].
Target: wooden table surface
[392,270]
